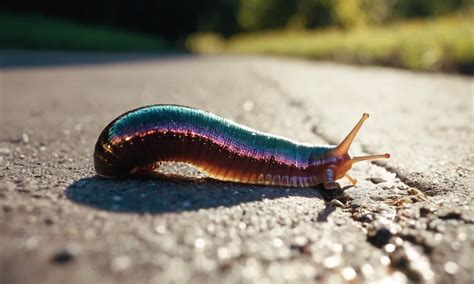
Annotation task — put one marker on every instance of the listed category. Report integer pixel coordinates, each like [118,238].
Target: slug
[140,140]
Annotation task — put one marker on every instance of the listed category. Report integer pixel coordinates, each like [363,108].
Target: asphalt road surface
[409,219]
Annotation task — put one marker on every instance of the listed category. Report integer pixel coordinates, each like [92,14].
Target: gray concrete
[408,219]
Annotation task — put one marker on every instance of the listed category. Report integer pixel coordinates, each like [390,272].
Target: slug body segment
[139,140]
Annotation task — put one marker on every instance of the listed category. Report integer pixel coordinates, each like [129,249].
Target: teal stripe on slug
[241,138]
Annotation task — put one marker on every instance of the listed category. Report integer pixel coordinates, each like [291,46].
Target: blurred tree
[179,18]
[349,13]
[311,14]
[356,13]
[424,8]
[378,11]
[220,18]
[263,14]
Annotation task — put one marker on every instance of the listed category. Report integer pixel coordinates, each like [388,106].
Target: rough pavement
[408,219]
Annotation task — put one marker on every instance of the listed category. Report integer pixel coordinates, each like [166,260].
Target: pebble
[425,211]
[160,229]
[63,256]
[385,260]
[348,273]
[451,267]
[277,243]
[377,180]
[367,269]
[379,237]
[389,248]
[32,243]
[5,151]
[337,203]
[455,214]
[199,243]
[414,191]
[223,253]
[25,138]
[332,261]
[49,221]
[367,218]
[120,263]
[248,106]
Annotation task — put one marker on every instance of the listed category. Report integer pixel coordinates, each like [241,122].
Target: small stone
[78,127]
[278,243]
[49,221]
[425,211]
[367,269]
[348,273]
[367,218]
[456,215]
[332,261]
[199,243]
[303,248]
[223,253]
[121,263]
[336,203]
[414,191]
[379,237]
[377,180]
[63,256]
[160,229]
[389,248]
[385,260]
[451,267]
[248,106]
[5,151]
[32,243]
[25,138]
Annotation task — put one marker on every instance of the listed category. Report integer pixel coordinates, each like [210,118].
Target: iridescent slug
[139,140]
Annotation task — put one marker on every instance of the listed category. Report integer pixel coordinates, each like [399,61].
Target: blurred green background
[428,35]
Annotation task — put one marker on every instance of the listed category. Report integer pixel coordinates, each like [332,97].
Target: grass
[445,44]
[32,31]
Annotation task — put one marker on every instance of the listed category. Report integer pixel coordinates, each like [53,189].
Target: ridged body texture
[139,140]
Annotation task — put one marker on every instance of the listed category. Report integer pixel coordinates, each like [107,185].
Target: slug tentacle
[141,139]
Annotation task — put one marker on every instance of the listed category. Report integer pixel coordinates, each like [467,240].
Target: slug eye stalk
[343,148]
[369,158]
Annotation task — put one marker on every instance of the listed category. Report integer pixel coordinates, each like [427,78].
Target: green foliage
[441,44]
[39,32]
[424,8]
[314,13]
[349,13]
[263,14]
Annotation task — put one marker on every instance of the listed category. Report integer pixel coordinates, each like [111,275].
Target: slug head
[343,161]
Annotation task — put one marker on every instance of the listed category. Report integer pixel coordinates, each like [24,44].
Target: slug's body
[139,140]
